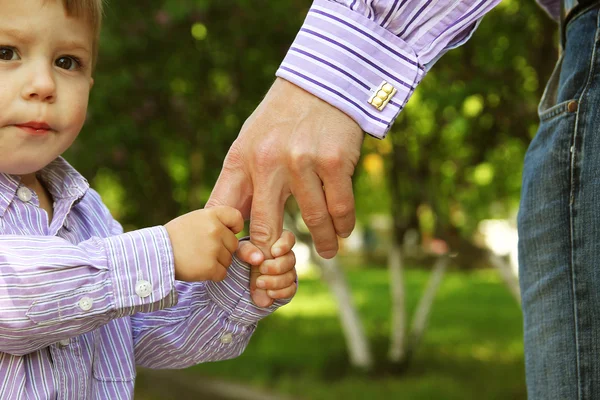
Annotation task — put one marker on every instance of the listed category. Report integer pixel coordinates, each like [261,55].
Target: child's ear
[91,83]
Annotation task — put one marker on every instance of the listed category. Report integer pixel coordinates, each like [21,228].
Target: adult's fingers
[266,225]
[308,191]
[233,188]
[231,218]
[340,203]
[266,221]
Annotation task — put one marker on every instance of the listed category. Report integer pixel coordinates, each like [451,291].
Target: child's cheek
[79,110]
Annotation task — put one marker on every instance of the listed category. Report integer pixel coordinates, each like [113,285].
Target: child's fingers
[283,244]
[276,282]
[220,273]
[224,257]
[280,265]
[230,241]
[249,253]
[286,293]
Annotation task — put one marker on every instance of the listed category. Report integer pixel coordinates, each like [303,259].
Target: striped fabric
[346,48]
[74,322]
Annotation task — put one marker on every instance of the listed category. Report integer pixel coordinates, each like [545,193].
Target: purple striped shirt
[83,304]
[347,48]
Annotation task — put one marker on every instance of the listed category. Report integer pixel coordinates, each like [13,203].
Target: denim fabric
[559,226]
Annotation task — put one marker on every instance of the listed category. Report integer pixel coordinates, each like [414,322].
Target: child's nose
[41,86]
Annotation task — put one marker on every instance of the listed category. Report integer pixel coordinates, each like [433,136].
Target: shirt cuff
[233,295]
[141,278]
[143,270]
[345,58]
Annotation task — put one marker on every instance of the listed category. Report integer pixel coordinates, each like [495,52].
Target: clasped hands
[293,144]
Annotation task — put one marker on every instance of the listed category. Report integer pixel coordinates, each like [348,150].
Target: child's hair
[91,10]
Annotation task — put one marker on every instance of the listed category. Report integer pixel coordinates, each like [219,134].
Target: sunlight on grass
[313,305]
[472,349]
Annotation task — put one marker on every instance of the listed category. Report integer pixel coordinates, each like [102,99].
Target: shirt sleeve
[212,321]
[367,57]
[51,289]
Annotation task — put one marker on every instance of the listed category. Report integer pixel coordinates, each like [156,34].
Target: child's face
[45,80]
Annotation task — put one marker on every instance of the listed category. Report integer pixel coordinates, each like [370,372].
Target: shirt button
[24,194]
[143,288]
[226,338]
[86,303]
[64,342]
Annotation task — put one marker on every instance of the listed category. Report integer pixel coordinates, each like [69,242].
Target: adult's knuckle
[341,210]
[234,158]
[333,162]
[261,233]
[265,156]
[315,218]
[299,161]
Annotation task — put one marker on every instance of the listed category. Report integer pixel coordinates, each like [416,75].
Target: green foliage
[459,145]
[174,83]
[177,78]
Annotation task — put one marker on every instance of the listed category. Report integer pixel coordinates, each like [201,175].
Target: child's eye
[68,62]
[8,54]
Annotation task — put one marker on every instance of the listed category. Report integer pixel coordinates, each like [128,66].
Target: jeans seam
[573,186]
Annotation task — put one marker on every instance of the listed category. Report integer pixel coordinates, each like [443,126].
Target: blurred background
[422,302]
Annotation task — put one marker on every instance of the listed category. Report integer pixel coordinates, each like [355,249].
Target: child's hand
[203,243]
[279,274]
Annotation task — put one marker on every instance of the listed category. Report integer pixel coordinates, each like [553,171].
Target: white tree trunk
[508,275]
[421,317]
[397,352]
[358,346]
[357,343]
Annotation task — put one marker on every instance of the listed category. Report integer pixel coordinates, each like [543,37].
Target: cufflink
[382,95]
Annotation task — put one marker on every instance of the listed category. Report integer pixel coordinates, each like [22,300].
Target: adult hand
[293,143]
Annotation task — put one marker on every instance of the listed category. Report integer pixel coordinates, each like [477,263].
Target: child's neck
[33,183]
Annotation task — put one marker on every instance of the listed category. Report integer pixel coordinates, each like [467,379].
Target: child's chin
[25,167]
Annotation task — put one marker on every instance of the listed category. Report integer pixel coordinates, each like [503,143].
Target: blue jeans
[559,226]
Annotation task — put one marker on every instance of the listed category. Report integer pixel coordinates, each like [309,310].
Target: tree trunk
[357,343]
[421,317]
[359,350]
[396,352]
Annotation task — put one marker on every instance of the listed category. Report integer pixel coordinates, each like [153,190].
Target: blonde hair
[91,10]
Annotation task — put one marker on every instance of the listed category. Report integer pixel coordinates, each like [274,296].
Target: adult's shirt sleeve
[367,57]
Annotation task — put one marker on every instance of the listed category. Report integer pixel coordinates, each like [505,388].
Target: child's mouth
[35,128]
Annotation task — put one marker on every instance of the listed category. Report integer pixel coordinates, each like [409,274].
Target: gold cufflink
[382,96]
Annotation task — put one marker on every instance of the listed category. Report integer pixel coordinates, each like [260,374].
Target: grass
[471,350]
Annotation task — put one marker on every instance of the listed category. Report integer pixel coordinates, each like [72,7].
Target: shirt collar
[60,178]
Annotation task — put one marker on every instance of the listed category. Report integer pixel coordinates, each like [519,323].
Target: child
[81,303]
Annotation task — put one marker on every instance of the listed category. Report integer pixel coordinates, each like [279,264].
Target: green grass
[471,350]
